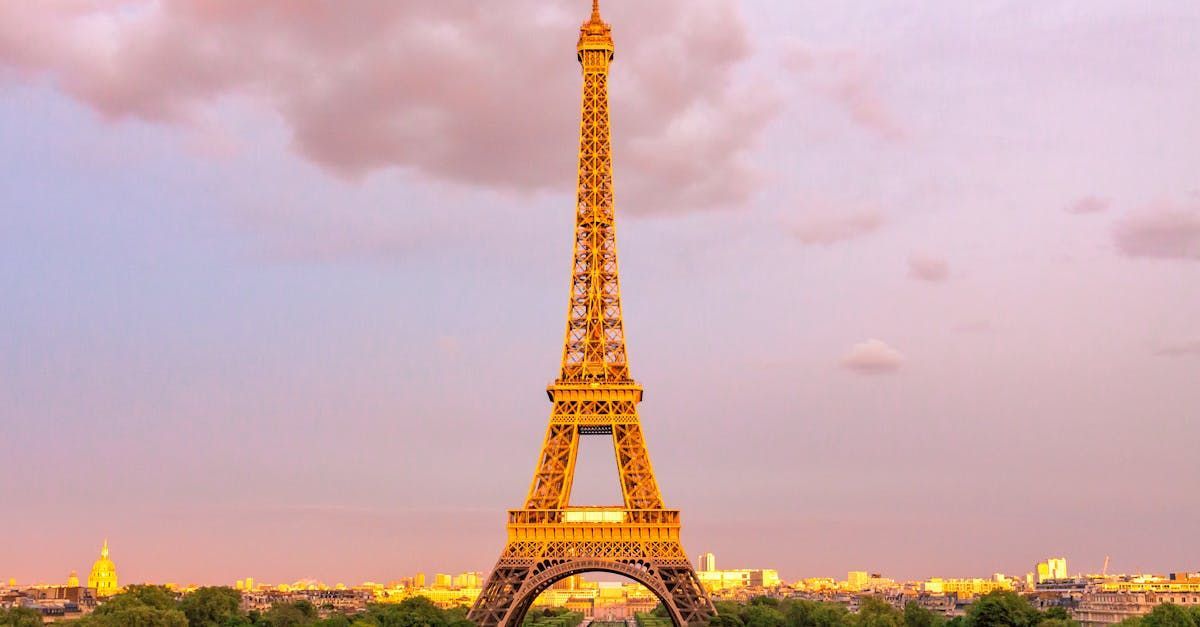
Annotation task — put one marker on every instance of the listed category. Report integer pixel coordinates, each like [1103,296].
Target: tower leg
[518,579]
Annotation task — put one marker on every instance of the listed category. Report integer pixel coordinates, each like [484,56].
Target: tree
[874,612]
[762,615]
[1058,612]
[214,607]
[20,617]
[1001,608]
[1168,615]
[917,616]
[137,606]
[726,620]
[296,614]
[136,616]
[830,615]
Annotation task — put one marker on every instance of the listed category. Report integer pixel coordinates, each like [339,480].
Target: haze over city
[912,289]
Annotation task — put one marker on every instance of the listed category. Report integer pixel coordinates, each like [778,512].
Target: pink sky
[912,289]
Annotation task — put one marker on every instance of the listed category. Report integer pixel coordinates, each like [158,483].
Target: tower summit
[594,395]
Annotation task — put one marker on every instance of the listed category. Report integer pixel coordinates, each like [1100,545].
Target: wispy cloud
[1160,231]
[848,79]
[1088,204]
[824,230]
[928,268]
[873,357]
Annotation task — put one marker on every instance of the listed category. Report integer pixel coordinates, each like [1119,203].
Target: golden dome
[104,575]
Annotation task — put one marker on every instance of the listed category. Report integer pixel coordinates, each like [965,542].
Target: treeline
[997,609]
[156,606]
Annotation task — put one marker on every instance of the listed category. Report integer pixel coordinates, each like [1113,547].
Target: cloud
[1183,348]
[1088,204]
[826,229]
[477,93]
[849,80]
[873,357]
[1160,231]
[926,268]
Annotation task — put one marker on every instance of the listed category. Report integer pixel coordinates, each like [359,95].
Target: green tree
[830,615]
[136,616]
[1132,621]
[917,616]
[1168,615]
[1001,608]
[1059,622]
[726,620]
[137,606]
[1058,612]
[762,615]
[214,607]
[296,614]
[20,617]
[153,597]
[873,612]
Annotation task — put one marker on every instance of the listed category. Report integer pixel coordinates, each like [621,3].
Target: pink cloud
[1162,231]
[1088,204]
[1183,348]
[872,357]
[830,229]
[851,81]
[478,93]
[927,268]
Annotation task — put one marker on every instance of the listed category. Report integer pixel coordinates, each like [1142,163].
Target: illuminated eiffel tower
[594,395]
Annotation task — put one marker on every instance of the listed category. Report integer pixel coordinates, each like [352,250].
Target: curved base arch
[641,572]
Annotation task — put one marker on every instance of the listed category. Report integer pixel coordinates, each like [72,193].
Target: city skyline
[897,308]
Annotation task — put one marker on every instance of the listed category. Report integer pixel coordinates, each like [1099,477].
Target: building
[442,580]
[857,580]
[1052,569]
[706,562]
[468,580]
[965,588]
[1105,607]
[103,578]
[73,580]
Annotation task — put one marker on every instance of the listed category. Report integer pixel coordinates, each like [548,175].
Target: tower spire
[594,349]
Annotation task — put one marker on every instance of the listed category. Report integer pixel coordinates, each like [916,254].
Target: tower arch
[640,572]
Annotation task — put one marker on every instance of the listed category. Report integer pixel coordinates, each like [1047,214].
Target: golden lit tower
[548,540]
[104,575]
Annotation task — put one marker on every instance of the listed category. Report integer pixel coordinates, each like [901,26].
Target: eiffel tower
[594,395]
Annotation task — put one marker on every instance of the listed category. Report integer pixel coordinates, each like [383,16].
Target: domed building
[73,580]
[104,575]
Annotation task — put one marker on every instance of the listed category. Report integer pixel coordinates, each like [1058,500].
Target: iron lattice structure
[594,395]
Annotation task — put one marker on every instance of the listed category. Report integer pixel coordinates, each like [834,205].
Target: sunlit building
[103,578]
[965,588]
[1052,569]
[706,562]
